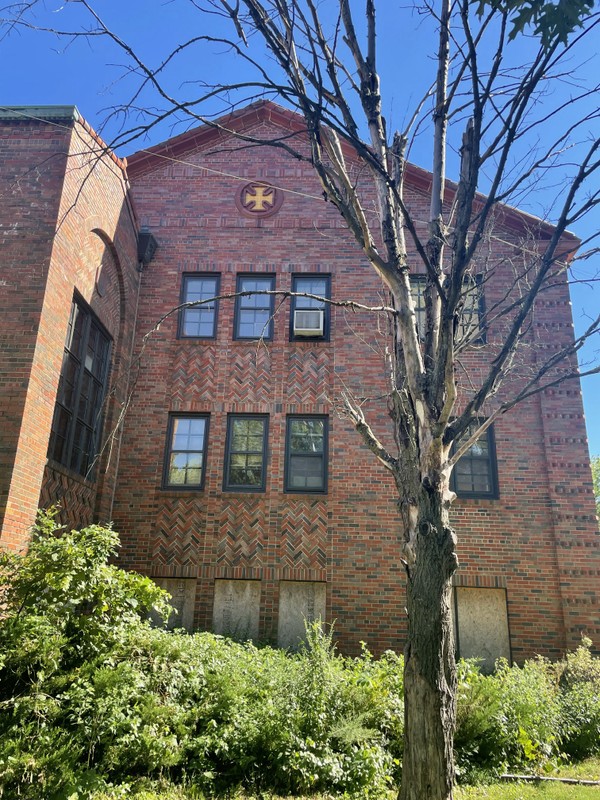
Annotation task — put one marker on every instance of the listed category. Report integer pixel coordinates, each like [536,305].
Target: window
[299,602]
[186,452]
[77,422]
[472,312]
[254,312]
[199,322]
[306,454]
[469,326]
[481,625]
[311,284]
[246,454]
[475,475]
[417,290]
[236,608]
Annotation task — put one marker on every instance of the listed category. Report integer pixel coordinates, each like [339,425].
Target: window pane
[475,473]
[469,323]
[187,451]
[188,434]
[186,469]
[306,436]
[247,435]
[306,472]
[417,291]
[199,321]
[253,324]
[77,418]
[306,454]
[246,453]
[255,285]
[60,429]
[246,470]
[254,311]
[75,332]
[68,381]
[310,285]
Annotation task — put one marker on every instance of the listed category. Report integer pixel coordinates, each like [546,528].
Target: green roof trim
[32,113]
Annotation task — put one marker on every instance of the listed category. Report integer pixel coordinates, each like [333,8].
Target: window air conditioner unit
[308,322]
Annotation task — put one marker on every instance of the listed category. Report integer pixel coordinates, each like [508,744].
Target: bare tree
[483,111]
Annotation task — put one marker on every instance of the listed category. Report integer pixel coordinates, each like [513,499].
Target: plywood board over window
[481,625]
[236,609]
[299,602]
[183,598]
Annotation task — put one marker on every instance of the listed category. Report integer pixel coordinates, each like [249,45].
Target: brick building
[211,439]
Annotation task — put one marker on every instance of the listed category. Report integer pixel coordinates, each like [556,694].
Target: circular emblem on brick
[258,199]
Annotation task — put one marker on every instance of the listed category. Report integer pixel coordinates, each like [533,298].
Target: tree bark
[429,669]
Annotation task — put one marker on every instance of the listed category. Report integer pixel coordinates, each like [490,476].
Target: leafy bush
[94,701]
[478,708]
[508,719]
[529,714]
[580,703]
[92,696]
[64,608]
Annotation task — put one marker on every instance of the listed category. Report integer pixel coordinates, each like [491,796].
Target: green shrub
[64,609]
[478,709]
[529,714]
[93,696]
[510,719]
[580,703]
[93,699]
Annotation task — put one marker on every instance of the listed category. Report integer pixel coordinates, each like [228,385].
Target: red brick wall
[349,537]
[32,163]
[538,540]
[84,221]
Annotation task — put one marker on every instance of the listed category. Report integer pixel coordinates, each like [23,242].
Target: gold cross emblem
[258,199]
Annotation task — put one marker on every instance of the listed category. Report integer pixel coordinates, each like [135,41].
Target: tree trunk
[430,669]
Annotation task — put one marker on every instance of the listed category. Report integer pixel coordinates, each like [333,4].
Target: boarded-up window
[481,625]
[183,598]
[237,609]
[299,602]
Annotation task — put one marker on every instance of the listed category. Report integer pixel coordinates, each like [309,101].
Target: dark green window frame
[475,475]
[306,454]
[470,327]
[305,282]
[259,306]
[246,453]
[199,322]
[79,410]
[185,453]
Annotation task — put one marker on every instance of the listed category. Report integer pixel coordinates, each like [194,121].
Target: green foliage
[508,719]
[552,21]
[95,702]
[64,609]
[529,718]
[92,696]
[478,706]
[580,703]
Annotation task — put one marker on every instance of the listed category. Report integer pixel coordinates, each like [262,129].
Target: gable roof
[266,111]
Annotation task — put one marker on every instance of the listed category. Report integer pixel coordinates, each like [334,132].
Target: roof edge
[233,122]
[239,120]
[61,114]
[41,113]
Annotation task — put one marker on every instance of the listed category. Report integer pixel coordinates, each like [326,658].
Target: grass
[498,791]
[586,770]
[529,791]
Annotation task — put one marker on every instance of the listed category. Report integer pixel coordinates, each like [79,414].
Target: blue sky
[44,69]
